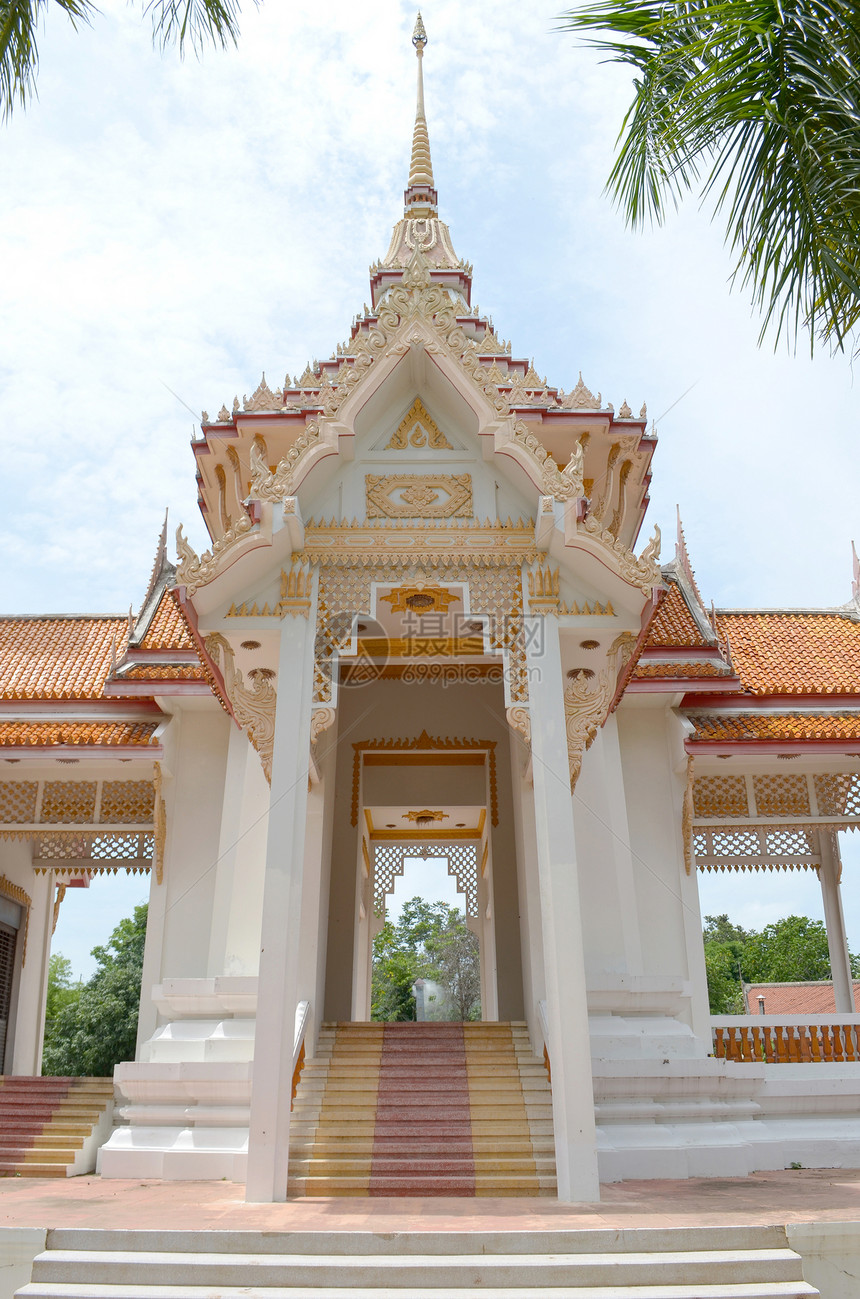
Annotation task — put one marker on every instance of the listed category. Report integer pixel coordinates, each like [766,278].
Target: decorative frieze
[418,496]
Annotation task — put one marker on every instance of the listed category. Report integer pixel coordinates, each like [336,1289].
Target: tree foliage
[793,950]
[94,1032]
[755,103]
[174,22]
[430,941]
[61,991]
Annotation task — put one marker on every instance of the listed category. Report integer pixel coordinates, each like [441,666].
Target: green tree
[788,951]
[174,22]
[724,948]
[430,941]
[793,950]
[61,991]
[755,103]
[92,1034]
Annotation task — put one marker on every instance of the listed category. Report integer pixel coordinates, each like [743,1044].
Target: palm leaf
[756,103]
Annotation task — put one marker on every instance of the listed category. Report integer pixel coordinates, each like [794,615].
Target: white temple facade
[427,623]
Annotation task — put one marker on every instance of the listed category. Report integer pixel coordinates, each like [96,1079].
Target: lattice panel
[838,795]
[720,796]
[781,795]
[493,592]
[122,847]
[389,859]
[116,846]
[18,801]
[62,847]
[69,802]
[789,843]
[734,843]
[126,802]
[756,848]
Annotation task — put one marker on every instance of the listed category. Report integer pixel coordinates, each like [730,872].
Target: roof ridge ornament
[420,196]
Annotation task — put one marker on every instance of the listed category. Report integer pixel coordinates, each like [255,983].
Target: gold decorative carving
[254,710]
[562,484]
[160,819]
[586,610]
[419,496]
[321,720]
[582,398]
[424,815]
[429,744]
[519,719]
[418,429]
[277,486]
[263,398]
[543,590]
[420,599]
[586,702]
[472,544]
[643,572]
[16,894]
[296,589]
[58,899]
[625,412]
[193,570]
[687,817]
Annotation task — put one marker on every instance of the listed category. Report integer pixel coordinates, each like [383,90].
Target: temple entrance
[8,939]
[427,951]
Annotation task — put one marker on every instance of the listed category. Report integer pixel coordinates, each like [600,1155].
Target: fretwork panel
[389,860]
[756,848]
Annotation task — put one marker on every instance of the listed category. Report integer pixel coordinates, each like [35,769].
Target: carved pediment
[418,429]
[418,496]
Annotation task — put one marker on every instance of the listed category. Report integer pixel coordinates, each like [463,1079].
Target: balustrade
[788,1041]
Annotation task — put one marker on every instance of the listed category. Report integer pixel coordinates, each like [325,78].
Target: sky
[171,229]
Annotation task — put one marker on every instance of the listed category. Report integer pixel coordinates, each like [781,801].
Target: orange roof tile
[796,998]
[794,653]
[164,672]
[168,629]
[680,669]
[673,623]
[19,734]
[57,657]
[776,726]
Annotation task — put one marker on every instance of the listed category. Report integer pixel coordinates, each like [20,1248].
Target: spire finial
[420,195]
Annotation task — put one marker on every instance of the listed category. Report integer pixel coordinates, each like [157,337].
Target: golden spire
[420,196]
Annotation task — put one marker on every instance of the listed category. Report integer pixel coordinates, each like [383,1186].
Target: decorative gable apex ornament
[418,429]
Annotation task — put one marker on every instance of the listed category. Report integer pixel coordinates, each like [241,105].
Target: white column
[528,892]
[567,1008]
[485,929]
[33,980]
[269,1141]
[834,921]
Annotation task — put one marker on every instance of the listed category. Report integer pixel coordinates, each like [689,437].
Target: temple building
[427,625]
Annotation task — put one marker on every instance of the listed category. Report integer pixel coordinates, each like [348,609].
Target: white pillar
[834,921]
[485,930]
[269,1139]
[567,1008]
[33,980]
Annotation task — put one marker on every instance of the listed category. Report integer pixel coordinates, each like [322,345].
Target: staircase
[53,1127]
[423,1109]
[679,1263]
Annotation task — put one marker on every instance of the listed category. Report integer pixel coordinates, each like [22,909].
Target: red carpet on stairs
[422,1141]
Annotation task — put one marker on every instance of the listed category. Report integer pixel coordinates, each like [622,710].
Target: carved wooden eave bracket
[587,702]
[272,537]
[253,709]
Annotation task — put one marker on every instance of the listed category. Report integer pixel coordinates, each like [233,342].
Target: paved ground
[827,1195]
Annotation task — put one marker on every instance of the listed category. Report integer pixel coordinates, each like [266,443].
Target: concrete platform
[782,1198]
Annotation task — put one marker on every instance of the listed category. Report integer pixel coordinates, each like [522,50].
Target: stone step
[511,1271]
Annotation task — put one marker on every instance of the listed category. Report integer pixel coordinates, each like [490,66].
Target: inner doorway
[427,951]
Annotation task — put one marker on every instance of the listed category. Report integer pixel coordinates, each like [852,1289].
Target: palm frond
[19,47]
[194,22]
[757,104]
